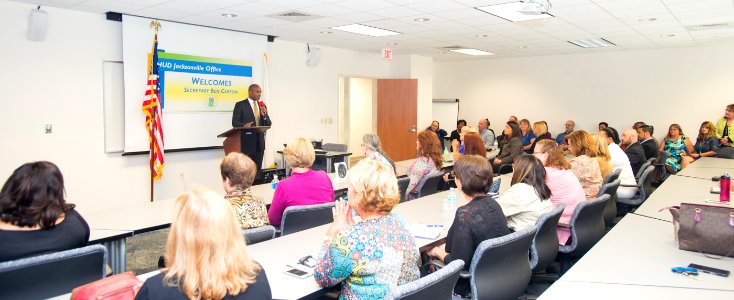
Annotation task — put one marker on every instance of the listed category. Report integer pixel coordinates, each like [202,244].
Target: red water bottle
[724,183]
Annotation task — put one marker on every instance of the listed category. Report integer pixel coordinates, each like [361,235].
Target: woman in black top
[480,219]
[511,146]
[206,256]
[34,217]
[440,133]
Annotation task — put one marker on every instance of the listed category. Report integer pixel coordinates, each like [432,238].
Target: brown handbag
[117,287]
[704,228]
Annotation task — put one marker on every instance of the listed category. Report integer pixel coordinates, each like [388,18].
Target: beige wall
[360,112]
[660,87]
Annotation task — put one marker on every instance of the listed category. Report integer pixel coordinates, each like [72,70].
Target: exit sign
[387,54]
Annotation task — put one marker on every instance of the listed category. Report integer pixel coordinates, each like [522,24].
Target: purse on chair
[117,287]
[704,228]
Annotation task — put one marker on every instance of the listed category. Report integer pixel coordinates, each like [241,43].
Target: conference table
[634,259]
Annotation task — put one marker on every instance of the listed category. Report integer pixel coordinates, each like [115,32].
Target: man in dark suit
[634,151]
[648,143]
[248,113]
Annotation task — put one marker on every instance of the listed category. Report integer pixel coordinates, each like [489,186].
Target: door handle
[414,130]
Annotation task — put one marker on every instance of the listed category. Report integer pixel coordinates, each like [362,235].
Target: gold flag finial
[155,24]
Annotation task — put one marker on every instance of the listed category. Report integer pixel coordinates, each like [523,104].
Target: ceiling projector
[531,7]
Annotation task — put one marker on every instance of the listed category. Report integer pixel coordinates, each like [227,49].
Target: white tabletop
[713,162]
[138,217]
[641,251]
[676,190]
[563,290]
[704,173]
[100,236]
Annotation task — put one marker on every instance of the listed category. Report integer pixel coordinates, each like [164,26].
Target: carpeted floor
[143,251]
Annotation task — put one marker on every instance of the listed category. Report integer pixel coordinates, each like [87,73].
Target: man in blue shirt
[561,138]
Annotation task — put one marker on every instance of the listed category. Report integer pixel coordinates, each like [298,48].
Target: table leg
[329,166]
[117,259]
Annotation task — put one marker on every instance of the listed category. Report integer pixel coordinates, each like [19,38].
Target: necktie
[256,110]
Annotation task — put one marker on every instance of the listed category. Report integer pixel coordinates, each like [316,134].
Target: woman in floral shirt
[585,165]
[373,255]
[238,172]
[427,163]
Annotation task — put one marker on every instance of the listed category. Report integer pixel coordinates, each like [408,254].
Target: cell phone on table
[710,270]
[296,272]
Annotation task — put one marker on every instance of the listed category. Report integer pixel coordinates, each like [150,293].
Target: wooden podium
[232,137]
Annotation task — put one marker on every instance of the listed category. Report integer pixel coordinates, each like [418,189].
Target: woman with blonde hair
[206,256]
[678,145]
[427,163]
[707,144]
[238,172]
[540,129]
[585,165]
[305,186]
[373,255]
[458,146]
[564,186]
[602,154]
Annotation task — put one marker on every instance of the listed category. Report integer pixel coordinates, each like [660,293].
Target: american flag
[152,111]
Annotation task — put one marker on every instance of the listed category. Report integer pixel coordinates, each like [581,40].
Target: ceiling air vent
[294,16]
[711,26]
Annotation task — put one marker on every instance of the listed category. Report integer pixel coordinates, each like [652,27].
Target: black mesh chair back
[545,243]
[297,218]
[437,285]
[51,275]
[587,226]
[430,185]
[612,176]
[610,210]
[500,268]
[403,187]
[259,234]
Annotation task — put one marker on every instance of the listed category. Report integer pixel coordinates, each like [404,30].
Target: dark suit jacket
[637,157]
[650,147]
[243,114]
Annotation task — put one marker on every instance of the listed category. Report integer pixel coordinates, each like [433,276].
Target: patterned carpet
[143,251]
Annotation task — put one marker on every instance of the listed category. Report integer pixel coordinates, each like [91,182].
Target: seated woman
[479,218]
[585,165]
[206,256]
[440,133]
[528,195]
[678,145]
[426,164]
[373,255]
[34,217]
[373,150]
[511,146]
[564,186]
[540,129]
[725,128]
[304,186]
[238,172]
[707,144]
[602,154]
[473,145]
[458,145]
[528,136]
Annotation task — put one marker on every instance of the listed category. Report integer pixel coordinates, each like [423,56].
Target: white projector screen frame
[446,112]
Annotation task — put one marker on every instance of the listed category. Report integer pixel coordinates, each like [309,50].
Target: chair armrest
[564,225]
[435,263]
[465,274]
[628,185]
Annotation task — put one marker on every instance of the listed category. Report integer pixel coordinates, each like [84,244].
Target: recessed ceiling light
[326,32]
[229,15]
[592,43]
[474,52]
[522,47]
[443,52]
[512,12]
[366,30]
[392,44]
[667,35]
[481,36]
[421,19]
[647,20]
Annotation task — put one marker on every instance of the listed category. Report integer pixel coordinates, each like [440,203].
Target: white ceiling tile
[292,4]
[436,6]
[258,8]
[160,13]
[460,14]
[358,17]
[53,3]
[576,10]
[102,6]
[486,20]
[395,12]
[612,5]
[637,13]
[217,3]
[327,10]
[361,5]
[190,8]
[700,5]
[388,24]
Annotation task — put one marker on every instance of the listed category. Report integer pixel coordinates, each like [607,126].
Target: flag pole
[155,25]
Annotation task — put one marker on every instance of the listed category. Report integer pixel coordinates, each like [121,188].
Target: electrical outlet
[49,128]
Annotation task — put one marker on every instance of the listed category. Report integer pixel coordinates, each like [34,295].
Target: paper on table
[426,231]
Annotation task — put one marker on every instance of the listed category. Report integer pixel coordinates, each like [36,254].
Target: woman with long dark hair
[528,195]
[511,146]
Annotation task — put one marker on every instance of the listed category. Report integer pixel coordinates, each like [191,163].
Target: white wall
[59,81]
[660,87]
[360,112]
